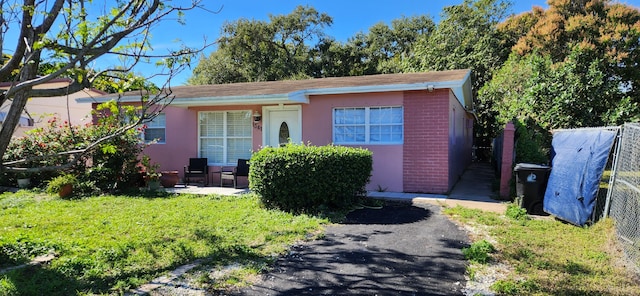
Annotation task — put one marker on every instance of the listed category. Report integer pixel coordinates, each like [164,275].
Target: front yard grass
[549,257]
[109,244]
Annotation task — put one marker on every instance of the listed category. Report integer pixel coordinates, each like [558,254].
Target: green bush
[516,212]
[112,165]
[532,142]
[300,178]
[479,252]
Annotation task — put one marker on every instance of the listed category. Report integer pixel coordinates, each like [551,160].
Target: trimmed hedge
[302,179]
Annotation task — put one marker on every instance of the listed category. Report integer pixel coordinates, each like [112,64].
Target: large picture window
[155,132]
[368,125]
[225,136]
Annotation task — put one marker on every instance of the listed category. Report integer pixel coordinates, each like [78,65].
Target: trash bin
[531,183]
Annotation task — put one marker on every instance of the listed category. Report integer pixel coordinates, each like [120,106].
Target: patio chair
[198,167]
[241,170]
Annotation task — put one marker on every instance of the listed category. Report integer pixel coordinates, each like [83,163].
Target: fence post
[507,160]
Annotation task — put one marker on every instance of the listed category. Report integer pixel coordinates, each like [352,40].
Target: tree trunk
[29,71]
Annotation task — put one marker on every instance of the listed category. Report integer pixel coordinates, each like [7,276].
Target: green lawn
[549,257]
[106,245]
[112,243]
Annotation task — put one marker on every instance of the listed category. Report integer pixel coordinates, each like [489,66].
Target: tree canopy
[295,46]
[69,36]
[576,63]
[253,50]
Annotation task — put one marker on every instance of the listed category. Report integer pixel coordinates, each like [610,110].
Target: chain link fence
[624,192]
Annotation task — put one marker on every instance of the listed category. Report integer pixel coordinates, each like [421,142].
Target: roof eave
[212,101]
[461,89]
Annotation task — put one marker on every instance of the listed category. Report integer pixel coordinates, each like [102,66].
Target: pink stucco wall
[317,130]
[65,108]
[436,149]
[182,138]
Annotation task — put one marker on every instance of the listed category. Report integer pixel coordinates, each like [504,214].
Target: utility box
[531,183]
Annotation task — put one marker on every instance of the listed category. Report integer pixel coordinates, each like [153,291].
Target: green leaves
[253,50]
[301,178]
[109,149]
[479,252]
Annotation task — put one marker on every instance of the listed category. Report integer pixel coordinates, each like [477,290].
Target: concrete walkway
[473,190]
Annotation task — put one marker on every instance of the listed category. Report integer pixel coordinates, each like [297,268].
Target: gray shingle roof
[289,86]
[296,90]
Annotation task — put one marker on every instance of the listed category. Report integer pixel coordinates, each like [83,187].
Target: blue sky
[349,18]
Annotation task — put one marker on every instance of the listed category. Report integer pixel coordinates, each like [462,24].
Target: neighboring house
[419,126]
[40,109]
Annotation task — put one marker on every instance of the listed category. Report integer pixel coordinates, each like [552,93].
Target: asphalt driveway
[402,249]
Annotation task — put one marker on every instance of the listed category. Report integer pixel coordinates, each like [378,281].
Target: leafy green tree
[539,96]
[74,34]
[331,58]
[295,45]
[466,38]
[253,50]
[387,46]
[562,95]
[218,68]
[574,65]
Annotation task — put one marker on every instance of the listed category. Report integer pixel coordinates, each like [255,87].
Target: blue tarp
[578,161]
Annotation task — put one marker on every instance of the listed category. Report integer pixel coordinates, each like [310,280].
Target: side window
[156,130]
[368,125]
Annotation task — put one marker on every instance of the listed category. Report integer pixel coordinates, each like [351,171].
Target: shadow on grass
[96,275]
[144,193]
[38,280]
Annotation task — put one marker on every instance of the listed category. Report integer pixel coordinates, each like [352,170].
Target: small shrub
[516,212]
[300,178]
[479,251]
[86,189]
[7,288]
[510,287]
[56,184]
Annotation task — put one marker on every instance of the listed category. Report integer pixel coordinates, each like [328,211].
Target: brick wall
[507,160]
[426,141]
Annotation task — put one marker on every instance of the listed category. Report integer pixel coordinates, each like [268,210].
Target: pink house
[419,126]
[40,109]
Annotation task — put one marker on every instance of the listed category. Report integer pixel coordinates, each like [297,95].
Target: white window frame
[367,125]
[225,137]
[153,124]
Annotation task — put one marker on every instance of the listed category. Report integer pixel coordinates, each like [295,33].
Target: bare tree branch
[74,48]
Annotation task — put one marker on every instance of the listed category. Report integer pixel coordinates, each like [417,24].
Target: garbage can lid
[531,166]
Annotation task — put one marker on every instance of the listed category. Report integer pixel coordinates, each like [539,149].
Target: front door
[283,124]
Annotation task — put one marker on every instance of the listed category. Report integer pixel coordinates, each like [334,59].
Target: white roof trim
[457,87]
[212,101]
[240,100]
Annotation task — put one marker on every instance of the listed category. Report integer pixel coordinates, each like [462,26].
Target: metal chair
[198,167]
[242,170]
